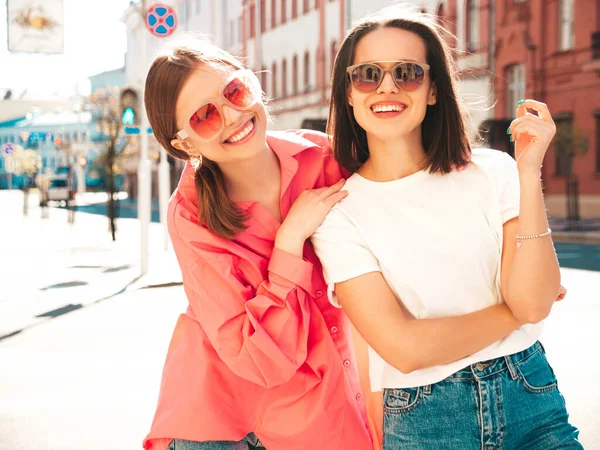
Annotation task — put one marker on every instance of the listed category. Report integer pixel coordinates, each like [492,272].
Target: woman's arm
[410,344]
[531,274]
[258,327]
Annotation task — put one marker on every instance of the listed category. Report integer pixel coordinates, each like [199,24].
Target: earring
[431,102]
[196,162]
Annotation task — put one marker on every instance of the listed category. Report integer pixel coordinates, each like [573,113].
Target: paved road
[578,256]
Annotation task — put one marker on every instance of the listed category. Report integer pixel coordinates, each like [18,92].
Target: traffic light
[128,116]
[129,100]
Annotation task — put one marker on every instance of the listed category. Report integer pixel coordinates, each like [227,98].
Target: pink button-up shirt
[260,349]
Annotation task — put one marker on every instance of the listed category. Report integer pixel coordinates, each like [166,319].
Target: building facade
[543,49]
[549,50]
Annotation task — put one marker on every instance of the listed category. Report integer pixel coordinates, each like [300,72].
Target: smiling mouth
[246,130]
[383,108]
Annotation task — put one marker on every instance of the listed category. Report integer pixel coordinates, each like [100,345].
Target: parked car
[60,189]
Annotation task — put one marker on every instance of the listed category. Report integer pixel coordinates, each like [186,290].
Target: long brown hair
[165,79]
[443,130]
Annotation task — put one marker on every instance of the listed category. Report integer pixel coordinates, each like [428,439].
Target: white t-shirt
[437,240]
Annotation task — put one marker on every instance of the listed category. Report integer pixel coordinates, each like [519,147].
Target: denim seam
[533,389]
[405,409]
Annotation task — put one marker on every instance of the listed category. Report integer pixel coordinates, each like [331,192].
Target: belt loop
[427,389]
[511,367]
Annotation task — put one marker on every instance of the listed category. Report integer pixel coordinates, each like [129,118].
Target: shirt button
[358,396]
[318,293]
[347,363]
[334,329]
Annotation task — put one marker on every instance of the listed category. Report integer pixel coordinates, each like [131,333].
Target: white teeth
[387,108]
[242,134]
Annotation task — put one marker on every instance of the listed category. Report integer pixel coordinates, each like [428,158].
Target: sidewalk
[51,267]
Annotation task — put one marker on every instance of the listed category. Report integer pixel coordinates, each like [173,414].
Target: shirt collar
[285,144]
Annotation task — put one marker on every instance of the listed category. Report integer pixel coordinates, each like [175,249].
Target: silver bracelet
[533,236]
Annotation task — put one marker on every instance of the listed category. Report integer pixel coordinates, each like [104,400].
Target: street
[83,338]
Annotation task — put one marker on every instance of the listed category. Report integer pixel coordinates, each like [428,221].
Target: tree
[108,115]
[569,142]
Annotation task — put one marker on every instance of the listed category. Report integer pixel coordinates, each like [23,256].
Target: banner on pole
[35,26]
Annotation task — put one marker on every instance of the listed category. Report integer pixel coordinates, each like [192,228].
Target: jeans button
[479,366]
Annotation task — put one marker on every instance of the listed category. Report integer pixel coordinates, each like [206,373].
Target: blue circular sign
[161,20]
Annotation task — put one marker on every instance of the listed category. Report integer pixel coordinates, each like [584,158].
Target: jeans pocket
[401,401]
[536,374]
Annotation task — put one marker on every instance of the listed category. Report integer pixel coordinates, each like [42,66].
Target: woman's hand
[562,292]
[306,215]
[532,135]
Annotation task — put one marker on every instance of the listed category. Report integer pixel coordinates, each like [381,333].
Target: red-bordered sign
[161,20]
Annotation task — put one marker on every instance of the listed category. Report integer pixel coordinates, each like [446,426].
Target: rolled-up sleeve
[260,332]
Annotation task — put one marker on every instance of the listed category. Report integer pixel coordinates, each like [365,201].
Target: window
[263,16]
[334,50]
[306,71]
[295,75]
[283,11]
[252,22]
[516,87]
[598,142]
[472,25]
[273,13]
[305,7]
[263,78]
[439,14]
[274,84]
[566,26]
[564,132]
[284,77]
[232,31]
[294,9]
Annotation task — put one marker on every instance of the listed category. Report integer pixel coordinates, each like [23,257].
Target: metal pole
[164,187]
[144,168]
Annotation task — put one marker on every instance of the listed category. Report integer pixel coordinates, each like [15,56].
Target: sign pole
[144,168]
[161,21]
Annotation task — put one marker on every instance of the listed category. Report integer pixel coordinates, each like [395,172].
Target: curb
[591,237]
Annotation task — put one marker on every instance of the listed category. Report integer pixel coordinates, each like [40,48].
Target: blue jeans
[249,442]
[506,403]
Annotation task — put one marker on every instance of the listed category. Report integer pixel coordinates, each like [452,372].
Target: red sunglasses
[367,77]
[242,91]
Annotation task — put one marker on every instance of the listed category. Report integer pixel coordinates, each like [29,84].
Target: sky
[95,41]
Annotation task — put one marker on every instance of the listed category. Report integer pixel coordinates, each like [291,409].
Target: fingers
[326,192]
[539,107]
[334,198]
[562,292]
[531,125]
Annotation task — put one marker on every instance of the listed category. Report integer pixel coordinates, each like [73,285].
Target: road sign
[8,148]
[134,130]
[161,20]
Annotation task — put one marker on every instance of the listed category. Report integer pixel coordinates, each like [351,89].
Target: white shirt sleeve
[508,187]
[342,250]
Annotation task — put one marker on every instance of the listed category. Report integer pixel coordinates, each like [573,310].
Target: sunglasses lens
[366,78]
[409,76]
[206,121]
[242,91]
